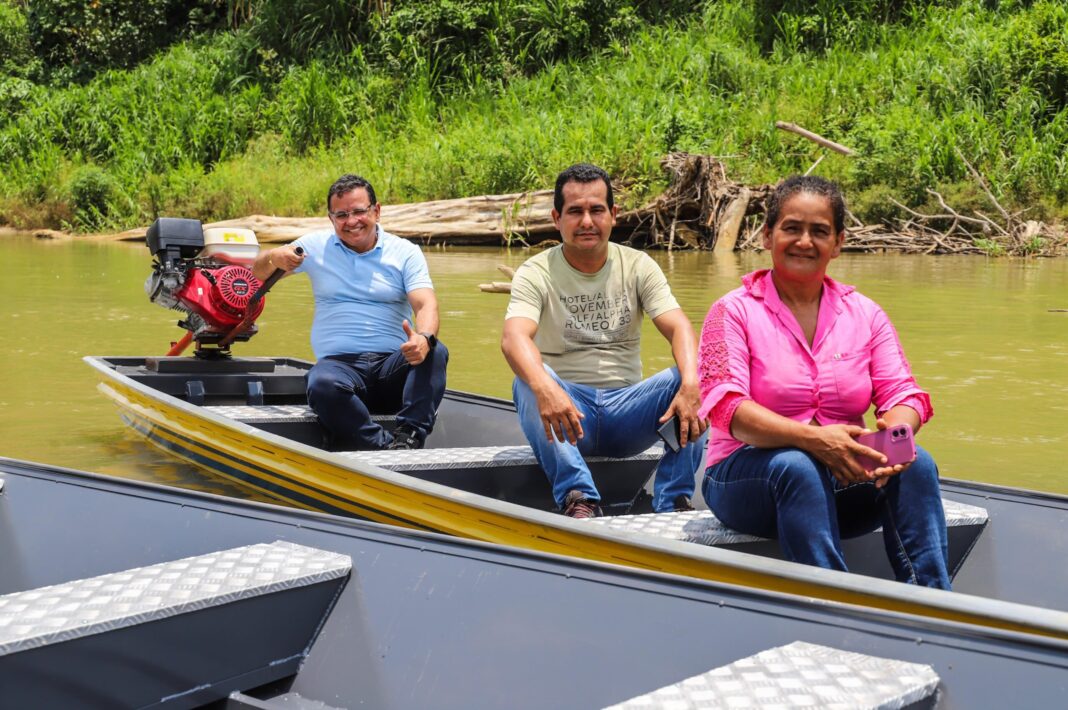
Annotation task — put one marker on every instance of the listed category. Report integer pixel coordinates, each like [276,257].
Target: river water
[980,334]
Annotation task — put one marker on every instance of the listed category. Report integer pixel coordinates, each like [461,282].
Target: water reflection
[978,332]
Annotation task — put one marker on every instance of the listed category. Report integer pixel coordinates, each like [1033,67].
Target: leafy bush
[75,39]
[816,25]
[15,93]
[16,57]
[311,106]
[1037,48]
[91,194]
[461,43]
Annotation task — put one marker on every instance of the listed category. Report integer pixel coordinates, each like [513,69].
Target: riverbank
[197,130]
[701,209]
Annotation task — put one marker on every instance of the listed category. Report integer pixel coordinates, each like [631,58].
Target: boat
[119,593]
[247,420]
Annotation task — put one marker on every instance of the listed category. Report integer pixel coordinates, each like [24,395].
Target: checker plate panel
[471,457]
[64,612]
[799,675]
[704,528]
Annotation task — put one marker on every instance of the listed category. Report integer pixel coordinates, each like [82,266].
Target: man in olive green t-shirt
[572,335]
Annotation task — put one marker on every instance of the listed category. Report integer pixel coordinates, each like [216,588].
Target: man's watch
[431,339]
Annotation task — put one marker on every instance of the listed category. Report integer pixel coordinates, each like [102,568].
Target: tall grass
[196,132]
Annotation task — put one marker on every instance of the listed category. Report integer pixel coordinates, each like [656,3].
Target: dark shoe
[682,504]
[577,505]
[405,438]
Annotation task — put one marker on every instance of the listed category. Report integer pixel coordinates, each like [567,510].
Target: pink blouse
[752,348]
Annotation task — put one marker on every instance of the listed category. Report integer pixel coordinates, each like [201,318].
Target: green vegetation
[256,105]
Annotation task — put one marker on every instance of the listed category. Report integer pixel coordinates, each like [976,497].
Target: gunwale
[304,476]
[393,641]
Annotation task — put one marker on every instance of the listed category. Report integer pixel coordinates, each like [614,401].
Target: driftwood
[700,209]
[814,137]
[487,219]
[731,223]
[499,286]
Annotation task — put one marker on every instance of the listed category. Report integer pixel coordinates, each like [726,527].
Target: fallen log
[700,209]
[486,219]
[731,224]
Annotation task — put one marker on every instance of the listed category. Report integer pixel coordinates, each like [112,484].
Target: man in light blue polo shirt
[373,356]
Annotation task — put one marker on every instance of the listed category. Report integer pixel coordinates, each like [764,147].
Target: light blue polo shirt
[361,299]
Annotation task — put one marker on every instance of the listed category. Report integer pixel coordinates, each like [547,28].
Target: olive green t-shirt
[589,325]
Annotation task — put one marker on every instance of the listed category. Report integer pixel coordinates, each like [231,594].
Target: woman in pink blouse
[789,364]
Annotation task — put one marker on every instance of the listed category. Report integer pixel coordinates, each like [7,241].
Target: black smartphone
[669,432]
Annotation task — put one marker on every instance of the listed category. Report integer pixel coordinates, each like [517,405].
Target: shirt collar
[759,285]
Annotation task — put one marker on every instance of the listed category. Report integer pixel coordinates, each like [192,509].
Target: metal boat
[116,593]
[246,419]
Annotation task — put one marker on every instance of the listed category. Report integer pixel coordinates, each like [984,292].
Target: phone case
[896,443]
[669,432]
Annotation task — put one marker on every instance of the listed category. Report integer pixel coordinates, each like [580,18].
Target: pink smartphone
[896,443]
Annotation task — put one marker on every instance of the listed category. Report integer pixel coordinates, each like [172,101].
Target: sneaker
[405,438]
[577,505]
[682,504]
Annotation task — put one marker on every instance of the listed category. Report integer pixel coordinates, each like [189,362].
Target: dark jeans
[787,494]
[344,390]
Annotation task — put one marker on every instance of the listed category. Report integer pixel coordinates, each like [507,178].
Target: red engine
[206,275]
[220,295]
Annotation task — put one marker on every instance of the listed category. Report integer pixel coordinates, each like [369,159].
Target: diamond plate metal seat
[704,528]
[799,675]
[177,634]
[512,473]
[293,421]
[277,414]
[864,554]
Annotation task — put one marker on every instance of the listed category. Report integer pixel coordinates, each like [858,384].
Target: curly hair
[813,185]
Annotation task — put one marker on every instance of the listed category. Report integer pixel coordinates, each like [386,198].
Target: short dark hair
[812,184]
[347,183]
[580,172]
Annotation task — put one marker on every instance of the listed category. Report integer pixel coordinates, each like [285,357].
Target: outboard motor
[206,275]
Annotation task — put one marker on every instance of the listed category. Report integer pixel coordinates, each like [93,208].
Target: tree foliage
[74,39]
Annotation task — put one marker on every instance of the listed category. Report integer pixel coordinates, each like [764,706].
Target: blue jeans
[345,389]
[789,495]
[619,422]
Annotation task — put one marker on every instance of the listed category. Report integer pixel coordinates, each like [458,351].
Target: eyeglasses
[342,215]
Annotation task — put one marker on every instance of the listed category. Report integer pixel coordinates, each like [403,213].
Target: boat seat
[704,528]
[474,457]
[189,631]
[293,421]
[863,554]
[278,414]
[799,675]
[512,473]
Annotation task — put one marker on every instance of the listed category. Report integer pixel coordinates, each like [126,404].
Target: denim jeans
[789,495]
[345,389]
[620,422]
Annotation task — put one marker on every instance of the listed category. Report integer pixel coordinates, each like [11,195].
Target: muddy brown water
[979,333]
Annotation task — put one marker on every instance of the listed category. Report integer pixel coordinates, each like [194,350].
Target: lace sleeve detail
[723,412]
[714,358]
[722,365]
